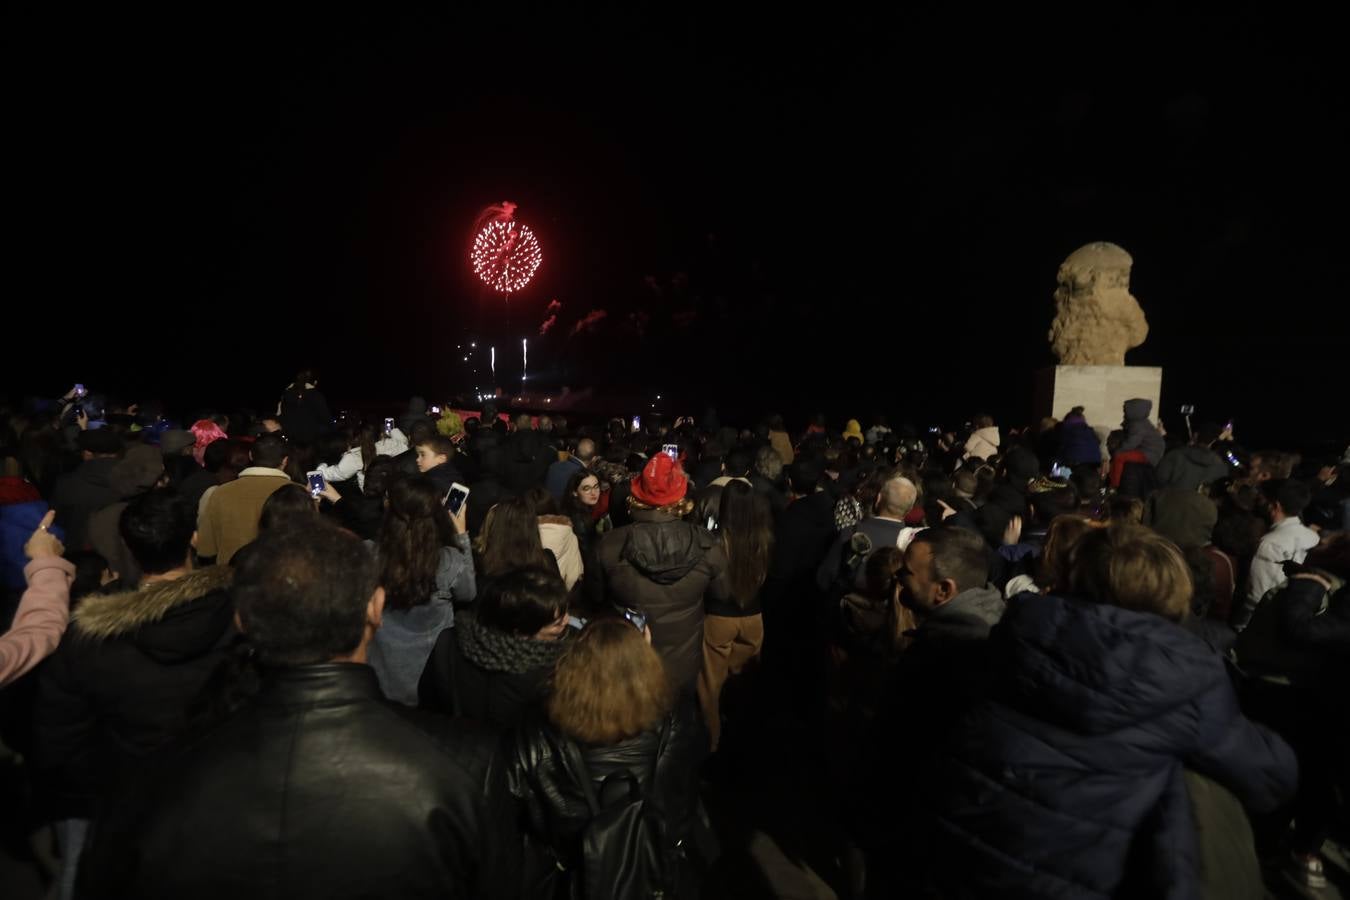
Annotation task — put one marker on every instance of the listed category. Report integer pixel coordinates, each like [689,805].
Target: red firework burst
[505,255]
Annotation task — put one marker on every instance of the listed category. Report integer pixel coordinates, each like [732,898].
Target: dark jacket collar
[324,683]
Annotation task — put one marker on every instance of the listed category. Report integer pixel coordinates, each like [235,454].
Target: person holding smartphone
[665,567]
[425,568]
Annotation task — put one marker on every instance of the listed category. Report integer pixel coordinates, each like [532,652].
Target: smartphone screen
[388,426]
[671,450]
[454,501]
[638,619]
[315,483]
[637,423]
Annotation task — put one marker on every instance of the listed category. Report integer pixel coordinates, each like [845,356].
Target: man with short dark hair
[1288,540]
[938,679]
[230,519]
[318,787]
[120,684]
[945,577]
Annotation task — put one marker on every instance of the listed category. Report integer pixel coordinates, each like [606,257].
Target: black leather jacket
[318,788]
[552,809]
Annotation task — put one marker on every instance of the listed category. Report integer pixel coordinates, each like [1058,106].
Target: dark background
[846,212]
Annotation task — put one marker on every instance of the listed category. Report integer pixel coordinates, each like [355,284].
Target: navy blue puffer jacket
[1068,782]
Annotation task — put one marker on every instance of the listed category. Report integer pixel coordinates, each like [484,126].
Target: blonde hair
[1134,568]
[609,685]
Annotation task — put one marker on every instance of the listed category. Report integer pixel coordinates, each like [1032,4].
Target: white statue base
[1100,390]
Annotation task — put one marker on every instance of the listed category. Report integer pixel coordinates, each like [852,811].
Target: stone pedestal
[1100,390]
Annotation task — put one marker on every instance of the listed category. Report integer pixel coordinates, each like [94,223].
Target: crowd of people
[488,655]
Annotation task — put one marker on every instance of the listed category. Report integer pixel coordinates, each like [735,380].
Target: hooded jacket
[983,442]
[82,493]
[122,680]
[664,567]
[1068,781]
[1140,433]
[1187,468]
[557,536]
[1078,443]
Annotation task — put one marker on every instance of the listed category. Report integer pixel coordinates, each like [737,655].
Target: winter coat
[318,788]
[1187,468]
[352,464]
[120,684]
[802,537]
[81,493]
[665,567]
[444,477]
[544,785]
[777,499]
[525,460]
[1077,757]
[304,414]
[983,442]
[1078,443]
[1288,541]
[1140,433]
[555,533]
[18,521]
[487,675]
[1302,634]
[486,493]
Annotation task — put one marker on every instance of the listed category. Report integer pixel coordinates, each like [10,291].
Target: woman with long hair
[612,715]
[494,665]
[363,445]
[580,500]
[510,539]
[556,535]
[733,630]
[425,569]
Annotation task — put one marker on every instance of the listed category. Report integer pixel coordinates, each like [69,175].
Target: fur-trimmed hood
[164,618]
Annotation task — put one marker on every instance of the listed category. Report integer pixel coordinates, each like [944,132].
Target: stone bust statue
[1096,317]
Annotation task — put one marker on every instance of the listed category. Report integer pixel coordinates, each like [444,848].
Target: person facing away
[127,672]
[613,714]
[230,519]
[665,567]
[315,786]
[425,569]
[495,664]
[303,409]
[1068,780]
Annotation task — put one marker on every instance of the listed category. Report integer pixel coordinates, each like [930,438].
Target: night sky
[853,213]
